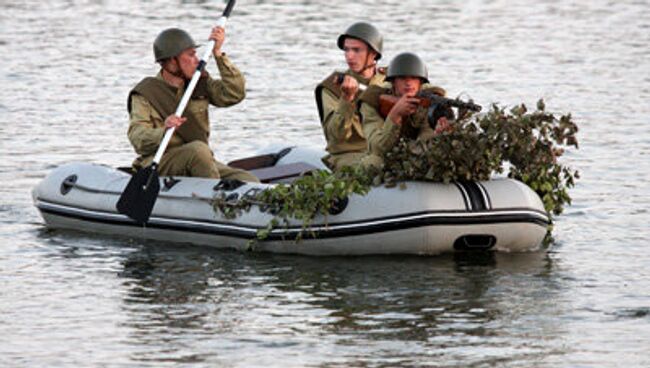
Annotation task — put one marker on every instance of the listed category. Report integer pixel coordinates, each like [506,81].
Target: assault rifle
[437,106]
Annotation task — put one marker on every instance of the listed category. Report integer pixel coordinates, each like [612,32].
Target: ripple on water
[634,313]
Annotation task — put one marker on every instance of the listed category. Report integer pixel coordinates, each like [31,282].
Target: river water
[69,299]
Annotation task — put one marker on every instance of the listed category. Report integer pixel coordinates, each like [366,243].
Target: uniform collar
[359,77]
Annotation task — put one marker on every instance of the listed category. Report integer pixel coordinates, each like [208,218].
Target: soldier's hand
[218,35]
[349,88]
[404,107]
[443,125]
[174,121]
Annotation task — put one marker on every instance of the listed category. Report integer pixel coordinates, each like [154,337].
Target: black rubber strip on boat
[370,226]
[465,195]
[486,195]
[476,198]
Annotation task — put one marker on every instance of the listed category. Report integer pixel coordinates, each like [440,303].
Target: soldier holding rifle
[406,115]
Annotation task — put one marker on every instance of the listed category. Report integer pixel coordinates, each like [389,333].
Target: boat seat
[283,173]
[127,169]
[259,161]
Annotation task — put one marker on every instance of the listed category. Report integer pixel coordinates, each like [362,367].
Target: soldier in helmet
[336,98]
[152,104]
[407,75]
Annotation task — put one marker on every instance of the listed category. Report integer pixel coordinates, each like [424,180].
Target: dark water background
[70,299]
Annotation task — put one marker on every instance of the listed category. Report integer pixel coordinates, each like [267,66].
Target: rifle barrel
[435,99]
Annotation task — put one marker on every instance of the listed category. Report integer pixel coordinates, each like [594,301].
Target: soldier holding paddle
[152,103]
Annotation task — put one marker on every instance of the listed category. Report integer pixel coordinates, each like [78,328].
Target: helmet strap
[178,73]
[367,65]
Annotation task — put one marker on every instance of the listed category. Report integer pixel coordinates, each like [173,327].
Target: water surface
[69,299]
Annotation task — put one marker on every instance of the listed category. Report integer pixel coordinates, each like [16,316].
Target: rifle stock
[426,100]
[386,103]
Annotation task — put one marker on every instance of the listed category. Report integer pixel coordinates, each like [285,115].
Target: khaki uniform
[346,143]
[382,134]
[188,152]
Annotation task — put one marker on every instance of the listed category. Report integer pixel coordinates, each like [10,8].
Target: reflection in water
[420,305]
[170,295]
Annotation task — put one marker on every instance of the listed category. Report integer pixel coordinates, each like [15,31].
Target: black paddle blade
[140,195]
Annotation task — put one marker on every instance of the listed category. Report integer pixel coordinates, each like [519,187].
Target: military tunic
[382,134]
[346,143]
[188,152]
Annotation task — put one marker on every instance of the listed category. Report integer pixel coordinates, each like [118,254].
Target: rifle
[437,106]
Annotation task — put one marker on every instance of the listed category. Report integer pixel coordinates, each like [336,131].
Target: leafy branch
[476,148]
[479,146]
[319,193]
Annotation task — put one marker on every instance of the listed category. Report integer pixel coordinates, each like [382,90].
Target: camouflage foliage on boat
[477,147]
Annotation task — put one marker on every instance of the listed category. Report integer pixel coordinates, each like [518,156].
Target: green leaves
[302,200]
[480,146]
[529,143]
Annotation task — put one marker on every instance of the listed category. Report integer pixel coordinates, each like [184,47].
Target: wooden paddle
[141,192]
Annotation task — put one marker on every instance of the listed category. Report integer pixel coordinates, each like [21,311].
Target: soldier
[153,101]
[337,101]
[407,75]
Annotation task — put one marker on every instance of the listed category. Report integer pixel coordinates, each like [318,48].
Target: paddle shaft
[221,22]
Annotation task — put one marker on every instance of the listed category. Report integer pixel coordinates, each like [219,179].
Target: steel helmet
[407,64]
[172,42]
[365,32]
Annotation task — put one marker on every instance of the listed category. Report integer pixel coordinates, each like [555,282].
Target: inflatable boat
[424,219]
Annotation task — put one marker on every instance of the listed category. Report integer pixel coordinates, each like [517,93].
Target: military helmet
[171,42]
[365,32]
[407,64]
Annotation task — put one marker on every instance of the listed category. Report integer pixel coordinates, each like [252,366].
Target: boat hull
[425,218]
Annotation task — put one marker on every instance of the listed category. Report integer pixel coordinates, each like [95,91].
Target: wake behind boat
[425,218]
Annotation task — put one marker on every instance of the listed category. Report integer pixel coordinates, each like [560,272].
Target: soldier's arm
[339,117]
[425,132]
[381,134]
[144,132]
[231,88]
[420,122]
